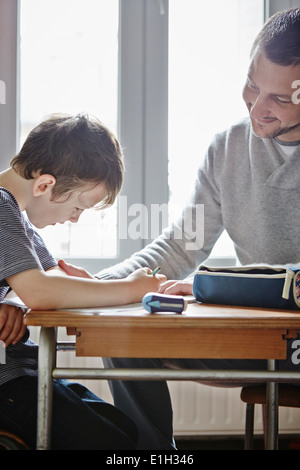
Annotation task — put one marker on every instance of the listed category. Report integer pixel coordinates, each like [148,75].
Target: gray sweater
[246,186]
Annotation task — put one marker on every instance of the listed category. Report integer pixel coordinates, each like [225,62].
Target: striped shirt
[21,248]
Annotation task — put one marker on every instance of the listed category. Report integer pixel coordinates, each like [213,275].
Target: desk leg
[47,360]
[272,410]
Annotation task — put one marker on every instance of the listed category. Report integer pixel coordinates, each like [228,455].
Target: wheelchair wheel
[9,441]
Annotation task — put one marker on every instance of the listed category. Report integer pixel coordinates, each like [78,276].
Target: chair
[288,395]
[9,441]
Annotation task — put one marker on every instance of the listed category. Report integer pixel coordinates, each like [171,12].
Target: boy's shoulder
[9,208]
[6,197]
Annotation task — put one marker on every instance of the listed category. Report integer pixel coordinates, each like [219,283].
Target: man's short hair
[280,38]
[75,150]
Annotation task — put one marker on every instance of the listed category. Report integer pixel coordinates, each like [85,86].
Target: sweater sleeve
[188,241]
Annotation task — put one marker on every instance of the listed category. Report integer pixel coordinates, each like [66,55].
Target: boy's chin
[40,225]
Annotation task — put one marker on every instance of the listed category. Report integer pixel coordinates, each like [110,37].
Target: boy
[66,165]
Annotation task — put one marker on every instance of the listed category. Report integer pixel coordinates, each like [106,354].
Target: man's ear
[43,184]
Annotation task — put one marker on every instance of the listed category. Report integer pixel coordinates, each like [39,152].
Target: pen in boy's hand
[156,270]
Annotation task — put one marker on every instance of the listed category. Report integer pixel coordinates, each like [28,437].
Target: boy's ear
[43,184]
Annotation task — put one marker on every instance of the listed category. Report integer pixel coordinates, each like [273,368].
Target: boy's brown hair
[75,150]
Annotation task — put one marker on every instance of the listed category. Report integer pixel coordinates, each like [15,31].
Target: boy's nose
[74,219]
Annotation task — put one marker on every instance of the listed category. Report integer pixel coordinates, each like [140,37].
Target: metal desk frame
[202,316]
[48,371]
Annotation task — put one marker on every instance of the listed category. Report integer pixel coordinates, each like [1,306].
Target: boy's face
[268,96]
[43,211]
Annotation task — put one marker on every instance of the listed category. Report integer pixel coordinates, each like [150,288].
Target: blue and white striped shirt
[21,248]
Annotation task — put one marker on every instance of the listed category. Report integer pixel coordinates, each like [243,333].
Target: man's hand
[72,270]
[172,287]
[12,327]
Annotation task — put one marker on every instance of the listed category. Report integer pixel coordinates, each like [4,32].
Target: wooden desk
[203,331]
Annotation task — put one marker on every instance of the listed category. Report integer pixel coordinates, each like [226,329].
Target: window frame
[143,105]
[9,73]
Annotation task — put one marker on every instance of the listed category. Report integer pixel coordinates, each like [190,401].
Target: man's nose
[260,107]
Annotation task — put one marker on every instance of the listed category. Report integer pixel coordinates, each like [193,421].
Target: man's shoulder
[232,140]
[231,146]
[238,130]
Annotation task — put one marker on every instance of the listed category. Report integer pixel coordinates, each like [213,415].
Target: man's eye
[252,86]
[282,100]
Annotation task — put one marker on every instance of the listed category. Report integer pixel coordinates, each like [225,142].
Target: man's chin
[264,133]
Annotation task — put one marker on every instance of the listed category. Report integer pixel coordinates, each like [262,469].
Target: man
[249,185]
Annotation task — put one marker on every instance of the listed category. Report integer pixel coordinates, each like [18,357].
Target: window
[147,68]
[209,46]
[69,63]
[95,55]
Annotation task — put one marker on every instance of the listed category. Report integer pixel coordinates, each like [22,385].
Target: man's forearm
[169,254]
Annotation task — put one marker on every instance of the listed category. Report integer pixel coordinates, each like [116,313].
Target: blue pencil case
[261,286]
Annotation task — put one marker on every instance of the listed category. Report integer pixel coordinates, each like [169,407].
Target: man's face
[268,96]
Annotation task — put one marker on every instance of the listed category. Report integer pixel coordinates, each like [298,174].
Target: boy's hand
[12,327]
[177,287]
[144,282]
[72,270]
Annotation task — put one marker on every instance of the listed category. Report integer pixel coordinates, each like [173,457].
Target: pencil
[156,270]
